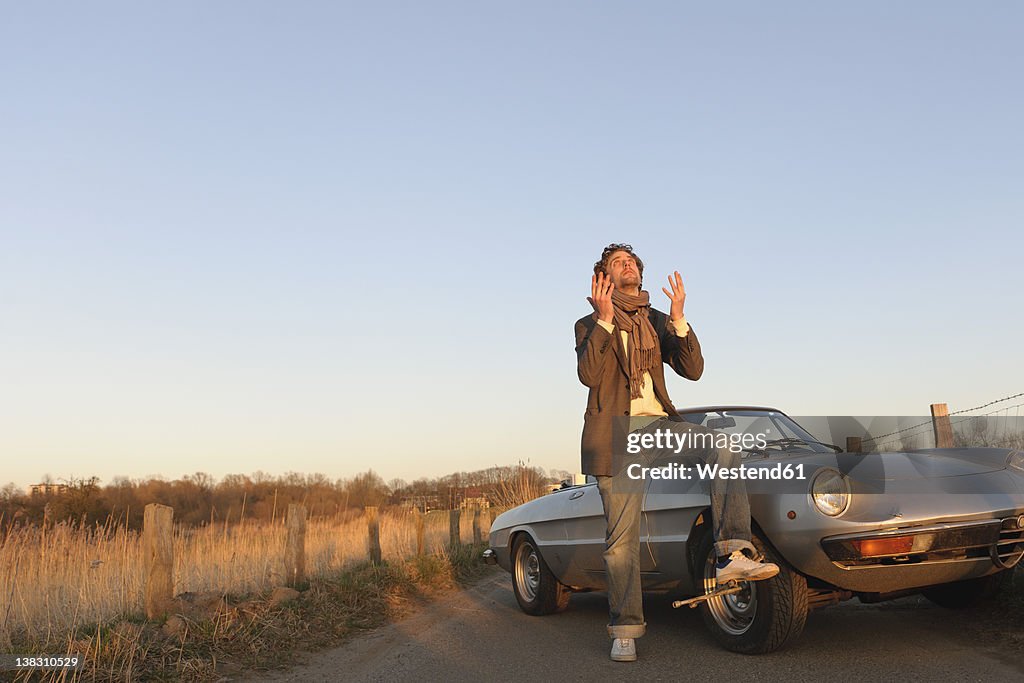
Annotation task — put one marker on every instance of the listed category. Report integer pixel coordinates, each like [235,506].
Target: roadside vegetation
[72,570]
[72,567]
[79,590]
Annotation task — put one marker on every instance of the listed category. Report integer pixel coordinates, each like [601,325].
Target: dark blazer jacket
[603,366]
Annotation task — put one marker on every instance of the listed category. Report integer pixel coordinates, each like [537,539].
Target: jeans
[622,498]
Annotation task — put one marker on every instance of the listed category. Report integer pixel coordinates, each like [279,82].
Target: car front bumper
[1000,540]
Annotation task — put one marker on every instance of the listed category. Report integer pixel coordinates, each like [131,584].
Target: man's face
[623,271]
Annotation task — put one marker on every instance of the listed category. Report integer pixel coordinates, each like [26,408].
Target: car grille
[1010,547]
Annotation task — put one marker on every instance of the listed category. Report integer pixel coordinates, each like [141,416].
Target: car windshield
[779,432]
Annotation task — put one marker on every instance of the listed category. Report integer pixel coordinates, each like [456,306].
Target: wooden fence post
[853,444]
[454,536]
[476,525]
[295,546]
[420,534]
[941,425]
[373,527]
[158,551]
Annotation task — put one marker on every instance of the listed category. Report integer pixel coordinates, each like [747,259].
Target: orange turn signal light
[873,547]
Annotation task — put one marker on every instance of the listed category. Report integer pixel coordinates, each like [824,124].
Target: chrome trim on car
[904,531]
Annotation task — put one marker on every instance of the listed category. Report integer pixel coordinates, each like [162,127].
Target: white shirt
[647,403]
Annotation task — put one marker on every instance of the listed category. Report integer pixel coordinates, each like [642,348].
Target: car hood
[928,464]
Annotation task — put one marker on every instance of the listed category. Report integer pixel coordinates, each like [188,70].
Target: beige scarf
[631,316]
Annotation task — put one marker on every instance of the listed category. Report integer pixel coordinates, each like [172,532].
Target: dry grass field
[60,580]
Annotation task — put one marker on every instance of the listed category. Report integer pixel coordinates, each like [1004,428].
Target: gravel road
[479,634]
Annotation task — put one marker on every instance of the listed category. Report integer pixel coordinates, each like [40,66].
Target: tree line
[199,499]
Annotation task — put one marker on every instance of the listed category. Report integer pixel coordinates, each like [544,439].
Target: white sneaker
[623,650]
[739,567]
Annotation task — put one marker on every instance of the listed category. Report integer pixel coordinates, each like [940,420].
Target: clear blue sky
[325,237]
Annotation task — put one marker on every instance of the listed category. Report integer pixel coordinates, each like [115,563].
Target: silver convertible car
[948,523]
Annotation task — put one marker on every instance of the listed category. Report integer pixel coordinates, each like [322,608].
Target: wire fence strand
[876,439]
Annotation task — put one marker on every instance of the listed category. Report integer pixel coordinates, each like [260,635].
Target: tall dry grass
[57,579]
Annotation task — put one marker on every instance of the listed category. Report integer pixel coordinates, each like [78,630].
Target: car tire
[537,590]
[765,616]
[964,594]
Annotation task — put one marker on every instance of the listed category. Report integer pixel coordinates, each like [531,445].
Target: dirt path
[480,634]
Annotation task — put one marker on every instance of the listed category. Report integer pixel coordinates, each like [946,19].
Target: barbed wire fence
[969,428]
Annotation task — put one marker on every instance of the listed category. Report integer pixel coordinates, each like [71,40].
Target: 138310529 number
[20,662]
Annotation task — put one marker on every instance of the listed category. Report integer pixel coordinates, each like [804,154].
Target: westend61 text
[706,471]
[666,439]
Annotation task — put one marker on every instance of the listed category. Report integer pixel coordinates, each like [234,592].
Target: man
[620,349]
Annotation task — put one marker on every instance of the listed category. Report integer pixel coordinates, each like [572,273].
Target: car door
[586,528]
[671,507]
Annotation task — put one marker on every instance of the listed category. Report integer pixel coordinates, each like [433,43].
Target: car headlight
[1016,460]
[830,492]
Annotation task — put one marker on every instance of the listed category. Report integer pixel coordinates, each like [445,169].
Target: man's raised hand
[601,288]
[677,296]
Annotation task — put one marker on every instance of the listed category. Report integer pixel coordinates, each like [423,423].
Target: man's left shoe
[623,650]
[739,567]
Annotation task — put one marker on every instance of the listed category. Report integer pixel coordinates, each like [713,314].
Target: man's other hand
[677,296]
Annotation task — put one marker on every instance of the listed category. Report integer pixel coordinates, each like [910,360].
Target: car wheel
[537,590]
[761,618]
[963,594]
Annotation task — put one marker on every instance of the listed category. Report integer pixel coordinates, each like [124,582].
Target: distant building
[475,502]
[422,503]
[474,497]
[47,489]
